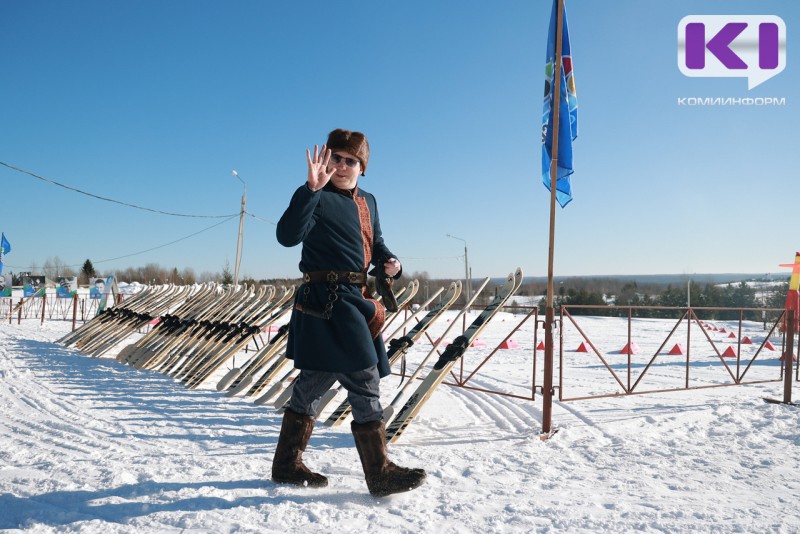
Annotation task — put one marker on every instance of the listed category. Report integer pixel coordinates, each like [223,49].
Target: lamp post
[241,229]
[466,265]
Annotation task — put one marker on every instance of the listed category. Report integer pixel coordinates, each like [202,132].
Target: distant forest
[611,296]
[612,293]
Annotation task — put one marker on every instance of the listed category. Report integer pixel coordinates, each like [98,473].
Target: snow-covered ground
[92,445]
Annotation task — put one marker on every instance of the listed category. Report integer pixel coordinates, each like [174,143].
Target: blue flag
[5,246]
[568,111]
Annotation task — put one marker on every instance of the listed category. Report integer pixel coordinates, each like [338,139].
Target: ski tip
[125,352]
[228,378]
[454,289]
[269,395]
[261,400]
[243,385]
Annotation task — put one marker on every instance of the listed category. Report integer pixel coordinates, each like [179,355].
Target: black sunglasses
[350,162]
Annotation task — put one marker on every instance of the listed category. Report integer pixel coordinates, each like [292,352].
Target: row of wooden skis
[198,332]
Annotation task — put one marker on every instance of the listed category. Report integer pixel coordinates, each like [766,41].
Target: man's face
[346,168]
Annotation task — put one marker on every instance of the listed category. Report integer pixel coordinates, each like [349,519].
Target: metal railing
[622,375]
[79,308]
[459,380]
[624,379]
[463,375]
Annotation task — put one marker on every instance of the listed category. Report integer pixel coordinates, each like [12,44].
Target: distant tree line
[727,296]
[152,273]
[613,296]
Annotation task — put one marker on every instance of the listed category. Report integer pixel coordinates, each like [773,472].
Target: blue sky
[154,103]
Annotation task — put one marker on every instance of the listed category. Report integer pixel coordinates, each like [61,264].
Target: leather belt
[346,277]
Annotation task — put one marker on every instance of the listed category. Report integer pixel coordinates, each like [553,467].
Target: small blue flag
[567,114]
[5,246]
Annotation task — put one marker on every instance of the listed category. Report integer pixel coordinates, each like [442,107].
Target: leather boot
[383,477]
[288,466]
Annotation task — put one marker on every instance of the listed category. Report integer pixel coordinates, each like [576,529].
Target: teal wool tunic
[340,231]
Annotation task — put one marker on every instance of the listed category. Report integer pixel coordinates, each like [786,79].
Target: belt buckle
[306,278]
[354,278]
[333,277]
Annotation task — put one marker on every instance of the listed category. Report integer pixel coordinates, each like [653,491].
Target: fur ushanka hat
[354,143]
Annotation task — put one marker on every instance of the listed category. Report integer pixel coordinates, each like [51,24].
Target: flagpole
[547,388]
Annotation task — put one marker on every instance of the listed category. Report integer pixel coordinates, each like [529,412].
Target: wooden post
[547,386]
[74,310]
[788,358]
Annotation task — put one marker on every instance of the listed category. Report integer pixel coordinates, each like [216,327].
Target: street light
[241,229]
[466,265]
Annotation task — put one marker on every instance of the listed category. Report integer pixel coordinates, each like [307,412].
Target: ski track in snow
[91,445]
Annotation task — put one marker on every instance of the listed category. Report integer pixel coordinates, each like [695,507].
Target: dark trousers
[362,391]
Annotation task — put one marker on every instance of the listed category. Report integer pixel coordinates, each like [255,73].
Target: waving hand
[318,174]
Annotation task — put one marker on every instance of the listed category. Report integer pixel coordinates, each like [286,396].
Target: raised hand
[318,174]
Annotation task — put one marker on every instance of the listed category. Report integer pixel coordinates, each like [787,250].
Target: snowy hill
[91,445]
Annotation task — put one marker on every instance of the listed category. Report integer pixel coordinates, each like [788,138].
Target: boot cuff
[366,427]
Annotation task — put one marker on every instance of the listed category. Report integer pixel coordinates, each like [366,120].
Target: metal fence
[79,308]
[702,356]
